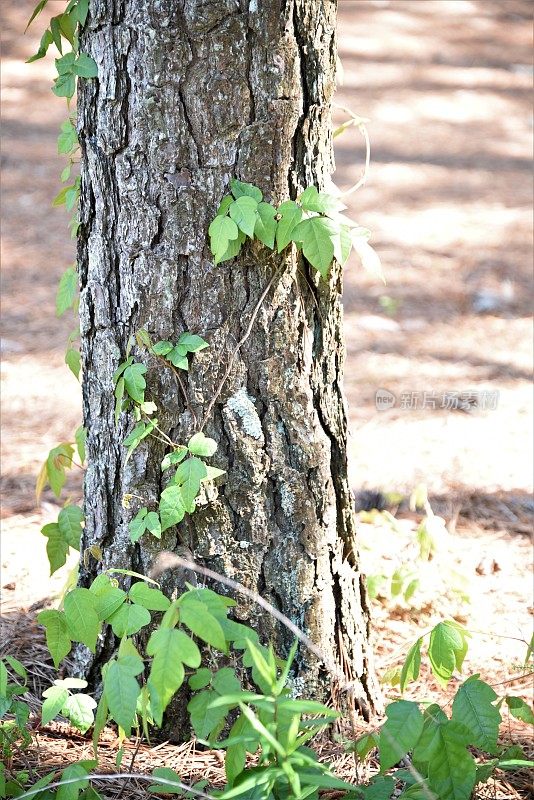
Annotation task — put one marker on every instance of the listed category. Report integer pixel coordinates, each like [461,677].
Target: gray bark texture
[190,94]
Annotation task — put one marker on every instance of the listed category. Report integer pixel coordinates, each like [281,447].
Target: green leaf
[174,458]
[446,645]
[412,665]
[36,11]
[71,196]
[243,213]
[171,644]
[170,648]
[120,369]
[149,598]
[188,477]
[342,245]
[122,691]
[59,199]
[224,205]
[265,225]
[250,781]
[80,438]
[290,216]
[17,667]
[102,583]
[55,698]
[153,524]
[400,732]
[59,459]
[57,637]
[109,601]
[192,342]
[307,707]
[312,200]
[241,189]
[364,744]
[56,34]
[178,357]
[66,291]
[473,708]
[225,681]
[56,546]
[137,525]
[169,775]
[196,617]
[129,619]
[204,718]
[137,434]
[64,86]
[201,678]
[263,673]
[85,66]
[162,348]
[81,617]
[70,791]
[73,361]
[233,248]
[134,382]
[317,235]
[216,603]
[81,10]
[171,507]
[520,710]
[129,658]
[451,770]
[236,754]
[222,230]
[65,63]
[101,719]
[67,26]
[485,770]
[70,525]
[380,788]
[79,709]
[212,473]
[430,738]
[201,445]
[46,41]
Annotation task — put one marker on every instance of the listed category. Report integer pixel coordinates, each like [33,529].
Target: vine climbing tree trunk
[190,94]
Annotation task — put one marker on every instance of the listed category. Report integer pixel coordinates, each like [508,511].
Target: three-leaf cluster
[313,222]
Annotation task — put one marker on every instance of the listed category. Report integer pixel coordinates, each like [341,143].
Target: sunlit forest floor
[446,86]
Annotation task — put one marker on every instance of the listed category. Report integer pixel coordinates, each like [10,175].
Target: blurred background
[446,343]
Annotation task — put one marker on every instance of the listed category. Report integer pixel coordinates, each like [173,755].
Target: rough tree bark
[191,93]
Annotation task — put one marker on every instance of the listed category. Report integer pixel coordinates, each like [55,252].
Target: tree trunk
[190,94]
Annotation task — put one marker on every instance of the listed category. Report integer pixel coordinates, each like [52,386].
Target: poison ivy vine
[314,222]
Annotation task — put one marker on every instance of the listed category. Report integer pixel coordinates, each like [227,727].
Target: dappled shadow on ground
[445,86]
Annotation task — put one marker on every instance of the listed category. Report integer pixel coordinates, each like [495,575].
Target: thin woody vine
[251,701]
